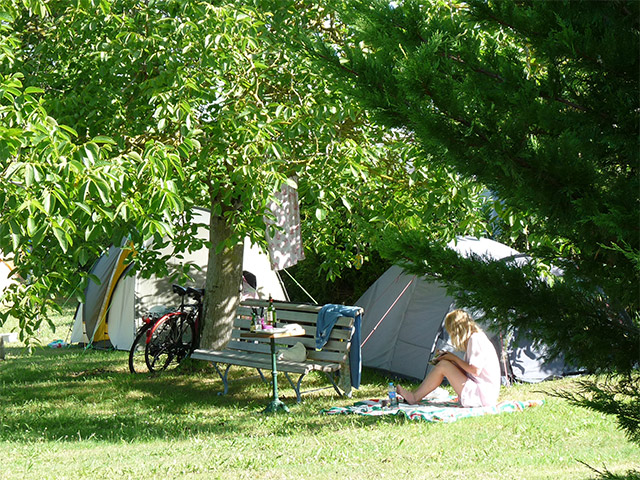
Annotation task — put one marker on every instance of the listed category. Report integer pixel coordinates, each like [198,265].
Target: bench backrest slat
[288,316]
[339,346]
[302,307]
[341,331]
[335,350]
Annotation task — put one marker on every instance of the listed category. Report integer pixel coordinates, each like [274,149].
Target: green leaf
[46,202]
[69,130]
[15,241]
[76,166]
[38,235]
[83,256]
[28,175]
[91,153]
[275,147]
[104,139]
[321,214]
[291,182]
[31,226]
[61,236]
[84,207]
[103,190]
[32,90]
[88,232]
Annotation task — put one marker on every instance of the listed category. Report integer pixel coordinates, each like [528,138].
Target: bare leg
[444,369]
[406,394]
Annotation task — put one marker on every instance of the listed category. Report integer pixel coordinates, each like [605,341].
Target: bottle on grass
[393,396]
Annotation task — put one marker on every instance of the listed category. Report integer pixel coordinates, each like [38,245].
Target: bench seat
[255,352]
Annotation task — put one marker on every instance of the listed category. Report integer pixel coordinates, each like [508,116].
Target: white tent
[404,322]
[113,309]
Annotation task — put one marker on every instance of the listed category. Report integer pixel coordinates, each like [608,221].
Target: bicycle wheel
[137,363]
[187,342]
[161,345]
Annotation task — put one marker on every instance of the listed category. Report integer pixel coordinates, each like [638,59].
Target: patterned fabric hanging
[283,235]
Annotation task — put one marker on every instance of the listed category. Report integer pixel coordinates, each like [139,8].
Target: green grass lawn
[71,413]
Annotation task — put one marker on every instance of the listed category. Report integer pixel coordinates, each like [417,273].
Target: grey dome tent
[114,308]
[404,323]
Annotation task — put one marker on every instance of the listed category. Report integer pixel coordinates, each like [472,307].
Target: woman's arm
[461,364]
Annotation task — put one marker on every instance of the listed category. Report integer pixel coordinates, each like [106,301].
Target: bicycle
[137,362]
[175,335]
[168,336]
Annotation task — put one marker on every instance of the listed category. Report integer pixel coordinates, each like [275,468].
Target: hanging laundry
[285,241]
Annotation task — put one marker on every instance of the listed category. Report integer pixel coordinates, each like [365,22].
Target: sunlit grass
[74,413]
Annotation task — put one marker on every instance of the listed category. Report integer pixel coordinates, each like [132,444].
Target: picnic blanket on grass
[432,410]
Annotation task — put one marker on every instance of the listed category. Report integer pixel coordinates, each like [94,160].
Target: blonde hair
[460,326]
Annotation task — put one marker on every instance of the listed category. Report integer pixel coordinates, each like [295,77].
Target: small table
[275,405]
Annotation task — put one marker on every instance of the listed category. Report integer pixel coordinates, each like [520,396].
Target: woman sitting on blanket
[476,379]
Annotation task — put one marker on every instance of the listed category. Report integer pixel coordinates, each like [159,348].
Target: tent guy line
[388,310]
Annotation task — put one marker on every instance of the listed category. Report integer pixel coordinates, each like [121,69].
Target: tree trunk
[222,295]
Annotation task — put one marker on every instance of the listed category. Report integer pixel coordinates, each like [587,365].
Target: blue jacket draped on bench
[327,318]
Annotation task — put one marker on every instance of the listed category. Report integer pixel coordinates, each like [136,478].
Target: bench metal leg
[332,378]
[225,382]
[225,377]
[264,379]
[296,386]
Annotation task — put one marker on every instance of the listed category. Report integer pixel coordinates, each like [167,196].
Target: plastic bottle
[393,397]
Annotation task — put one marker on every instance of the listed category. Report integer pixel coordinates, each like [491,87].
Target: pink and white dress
[481,390]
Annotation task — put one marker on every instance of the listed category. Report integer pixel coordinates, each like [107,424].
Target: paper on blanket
[439,394]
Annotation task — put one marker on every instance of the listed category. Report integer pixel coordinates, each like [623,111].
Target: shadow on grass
[74,394]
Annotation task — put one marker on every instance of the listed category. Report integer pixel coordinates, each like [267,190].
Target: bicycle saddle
[196,293]
[178,290]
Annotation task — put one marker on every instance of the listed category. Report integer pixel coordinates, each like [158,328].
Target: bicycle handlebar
[195,293]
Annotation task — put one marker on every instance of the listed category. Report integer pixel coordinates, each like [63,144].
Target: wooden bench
[256,353]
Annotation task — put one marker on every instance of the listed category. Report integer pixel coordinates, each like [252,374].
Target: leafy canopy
[193,103]
[539,103]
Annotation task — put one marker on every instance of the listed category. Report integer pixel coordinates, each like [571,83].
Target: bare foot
[407,395]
